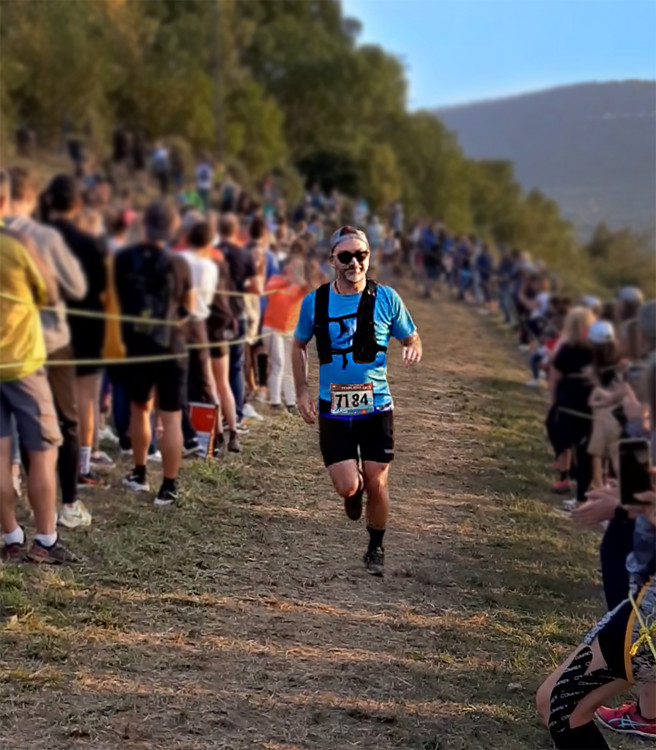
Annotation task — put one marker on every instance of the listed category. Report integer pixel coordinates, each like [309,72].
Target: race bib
[351,400]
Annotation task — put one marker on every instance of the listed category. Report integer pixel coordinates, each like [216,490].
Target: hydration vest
[365,348]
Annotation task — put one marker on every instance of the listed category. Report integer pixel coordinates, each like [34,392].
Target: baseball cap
[347,233]
[591,302]
[601,332]
[64,192]
[159,220]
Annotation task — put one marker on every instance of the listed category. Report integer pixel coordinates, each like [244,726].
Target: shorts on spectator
[168,376]
[219,349]
[30,401]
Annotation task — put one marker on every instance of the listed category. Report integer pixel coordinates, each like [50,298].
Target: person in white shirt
[204,277]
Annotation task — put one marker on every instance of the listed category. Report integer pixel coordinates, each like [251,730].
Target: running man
[352,320]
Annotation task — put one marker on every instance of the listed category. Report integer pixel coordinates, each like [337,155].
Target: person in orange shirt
[285,294]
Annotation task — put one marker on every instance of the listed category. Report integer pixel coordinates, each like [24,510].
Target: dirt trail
[244,619]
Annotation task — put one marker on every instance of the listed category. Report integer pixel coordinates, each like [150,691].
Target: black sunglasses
[345,257]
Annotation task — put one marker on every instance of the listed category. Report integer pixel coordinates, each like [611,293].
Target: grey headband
[352,234]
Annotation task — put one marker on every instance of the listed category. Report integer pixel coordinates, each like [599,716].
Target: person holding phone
[352,320]
[616,653]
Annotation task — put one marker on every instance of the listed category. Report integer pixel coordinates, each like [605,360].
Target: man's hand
[412,350]
[306,406]
[600,506]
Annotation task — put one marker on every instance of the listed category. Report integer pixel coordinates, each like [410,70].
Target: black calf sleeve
[573,685]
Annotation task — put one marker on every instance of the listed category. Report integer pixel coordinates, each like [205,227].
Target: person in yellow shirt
[25,283]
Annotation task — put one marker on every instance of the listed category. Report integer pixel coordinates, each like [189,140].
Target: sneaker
[562,487]
[100,458]
[242,429]
[532,383]
[107,436]
[134,482]
[74,515]
[193,448]
[91,480]
[126,452]
[292,408]
[570,505]
[154,458]
[276,407]
[353,504]
[55,555]
[16,552]
[626,720]
[165,497]
[234,444]
[250,413]
[374,560]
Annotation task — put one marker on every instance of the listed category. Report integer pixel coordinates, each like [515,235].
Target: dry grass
[243,617]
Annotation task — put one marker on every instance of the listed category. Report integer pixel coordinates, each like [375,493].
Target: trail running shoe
[374,560]
[15,553]
[562,487]
[101,459]
[134,482]
[155,457]
[626,720]
[55,555]
[74,515]
[91,480]
[165,497]
[353,504]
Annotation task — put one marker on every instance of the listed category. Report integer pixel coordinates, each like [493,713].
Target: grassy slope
[242,619]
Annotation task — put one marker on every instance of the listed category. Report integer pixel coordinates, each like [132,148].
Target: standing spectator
[152,282]
[161,167]
[286,293]
[244,279]
[504,280]
[25,395]
[72,286]
[204,181]
[87,334]
[204,277]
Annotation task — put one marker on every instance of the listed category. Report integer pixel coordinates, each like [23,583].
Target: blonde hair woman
[570,419]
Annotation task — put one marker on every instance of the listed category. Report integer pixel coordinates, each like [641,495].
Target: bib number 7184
[352,400]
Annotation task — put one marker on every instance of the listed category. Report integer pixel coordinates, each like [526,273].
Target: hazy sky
[463,50]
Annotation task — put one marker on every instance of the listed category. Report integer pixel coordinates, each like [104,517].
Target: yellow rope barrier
[647,632]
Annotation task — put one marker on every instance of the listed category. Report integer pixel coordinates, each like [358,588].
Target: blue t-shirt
[391,320]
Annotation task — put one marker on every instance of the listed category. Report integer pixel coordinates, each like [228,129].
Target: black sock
[587,737]
[140,473]
[564,475]
[375,537]
[170,484]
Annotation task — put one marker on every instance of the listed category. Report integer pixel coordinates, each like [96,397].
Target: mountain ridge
[590,146]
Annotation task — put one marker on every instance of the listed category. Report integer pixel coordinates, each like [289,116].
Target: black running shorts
[368,438]
[169,377]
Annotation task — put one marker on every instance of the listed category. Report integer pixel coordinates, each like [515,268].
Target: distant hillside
[592,147]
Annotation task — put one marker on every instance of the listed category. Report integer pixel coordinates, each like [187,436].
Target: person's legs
[288,389]
[375,483]
[170,443]
[140,431]
[220,368]
[237,377]
[61,379]
[86,390]
[345,476]
[276,357]
[121,411]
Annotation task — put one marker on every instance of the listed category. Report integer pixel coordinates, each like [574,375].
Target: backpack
[365,348]
[146,290]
